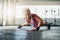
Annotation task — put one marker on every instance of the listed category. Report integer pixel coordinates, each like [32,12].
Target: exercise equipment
[48,26]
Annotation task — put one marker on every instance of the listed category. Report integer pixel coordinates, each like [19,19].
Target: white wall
[12,11]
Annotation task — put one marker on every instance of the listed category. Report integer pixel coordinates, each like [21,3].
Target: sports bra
[33,23]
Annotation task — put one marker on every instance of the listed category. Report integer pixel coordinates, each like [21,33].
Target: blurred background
[12,15]
[11,11]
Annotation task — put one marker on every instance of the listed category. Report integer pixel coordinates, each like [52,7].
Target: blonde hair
[27,9]
[28,12]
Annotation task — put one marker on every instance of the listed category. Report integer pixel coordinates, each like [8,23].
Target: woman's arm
[40,23]
[38,20]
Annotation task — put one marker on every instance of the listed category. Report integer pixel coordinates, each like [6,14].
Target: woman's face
[27,14]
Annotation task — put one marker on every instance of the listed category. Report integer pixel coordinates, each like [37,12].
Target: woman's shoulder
[36,16]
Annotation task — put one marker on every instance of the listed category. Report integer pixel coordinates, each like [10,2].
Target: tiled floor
[23,34]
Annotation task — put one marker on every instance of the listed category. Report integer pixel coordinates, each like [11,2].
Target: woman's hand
[25,24]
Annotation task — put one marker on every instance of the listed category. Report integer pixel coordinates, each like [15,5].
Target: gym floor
[13,33]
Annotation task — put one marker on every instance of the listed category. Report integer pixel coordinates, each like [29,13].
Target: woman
[32,19]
